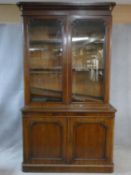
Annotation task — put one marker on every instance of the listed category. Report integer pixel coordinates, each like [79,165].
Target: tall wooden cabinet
[68,122]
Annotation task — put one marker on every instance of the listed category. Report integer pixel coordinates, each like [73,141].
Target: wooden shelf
[48,70]
[83,70]
[46,93]
[85,98]
[57,94]
[89,42]
[46,41]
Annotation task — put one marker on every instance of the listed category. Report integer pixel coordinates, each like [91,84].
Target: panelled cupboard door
[91,140]
[44,139]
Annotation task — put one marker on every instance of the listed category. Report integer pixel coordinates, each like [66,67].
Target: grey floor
[10,162]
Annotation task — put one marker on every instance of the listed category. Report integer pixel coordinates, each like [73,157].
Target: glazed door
[88,53]
[45,59]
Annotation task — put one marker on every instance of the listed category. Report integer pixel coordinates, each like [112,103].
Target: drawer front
[44,139]
[91,140]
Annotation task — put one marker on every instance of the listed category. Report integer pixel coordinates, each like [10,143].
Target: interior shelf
[95,41]
[45,92]
[86,70]
[46,41]
[44,70]
[57,94]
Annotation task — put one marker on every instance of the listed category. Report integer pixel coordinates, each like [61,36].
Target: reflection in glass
[88,37]
[46,52]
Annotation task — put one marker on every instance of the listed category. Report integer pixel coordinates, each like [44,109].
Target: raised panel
[46,139]
[91,139]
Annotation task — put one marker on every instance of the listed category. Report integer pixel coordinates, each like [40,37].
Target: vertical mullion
[69,140]
[69,61]
[27,93]
[65,62]
[107,59]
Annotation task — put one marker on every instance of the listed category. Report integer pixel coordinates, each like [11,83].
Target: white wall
[121,82]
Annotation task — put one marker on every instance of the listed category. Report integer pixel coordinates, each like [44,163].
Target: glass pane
[46,52]
[88,37]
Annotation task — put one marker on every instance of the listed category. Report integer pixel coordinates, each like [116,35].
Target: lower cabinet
[68,143]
